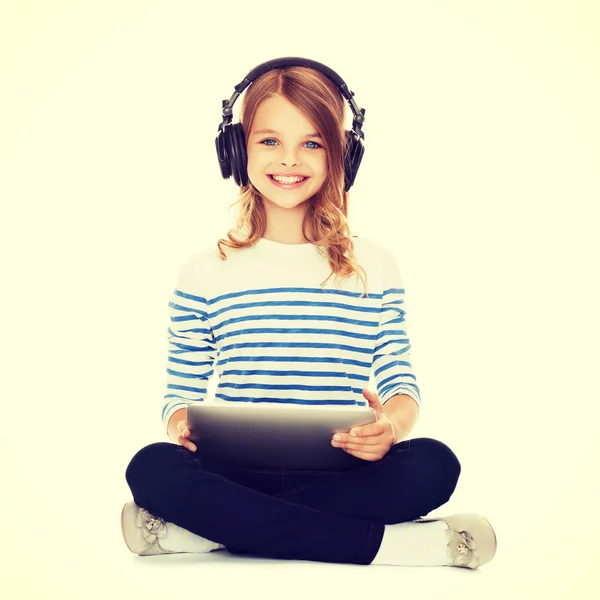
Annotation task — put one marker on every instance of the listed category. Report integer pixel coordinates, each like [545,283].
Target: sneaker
[471,539]
[142,532]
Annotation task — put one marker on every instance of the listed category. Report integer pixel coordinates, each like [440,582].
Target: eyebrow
[314,135]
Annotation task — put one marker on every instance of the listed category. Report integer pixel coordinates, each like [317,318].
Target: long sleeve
[191,348]
[392,369]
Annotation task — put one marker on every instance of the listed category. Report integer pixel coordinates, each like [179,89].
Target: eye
[315,147]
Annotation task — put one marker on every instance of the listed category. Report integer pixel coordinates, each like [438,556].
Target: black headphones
[231,143]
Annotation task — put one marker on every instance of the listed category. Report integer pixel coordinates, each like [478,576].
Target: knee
[442,462]
[146,463]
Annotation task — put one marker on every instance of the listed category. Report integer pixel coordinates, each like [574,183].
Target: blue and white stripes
[272,341]
[191,352]
[392,369]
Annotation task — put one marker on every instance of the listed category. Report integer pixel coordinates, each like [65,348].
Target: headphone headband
[295,61]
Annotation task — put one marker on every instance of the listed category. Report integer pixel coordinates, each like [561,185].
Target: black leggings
[326,516]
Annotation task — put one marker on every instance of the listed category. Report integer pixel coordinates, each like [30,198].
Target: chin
[290,203]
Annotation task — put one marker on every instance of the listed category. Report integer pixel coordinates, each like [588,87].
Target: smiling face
[291,147]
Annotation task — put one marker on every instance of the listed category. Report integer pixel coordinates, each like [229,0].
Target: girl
[262,310]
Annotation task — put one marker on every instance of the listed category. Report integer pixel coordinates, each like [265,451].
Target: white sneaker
[471,539]
[142,532]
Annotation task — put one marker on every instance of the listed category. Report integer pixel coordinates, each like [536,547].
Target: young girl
[281,336]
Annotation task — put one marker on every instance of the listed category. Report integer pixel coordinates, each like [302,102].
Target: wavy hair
[320,101]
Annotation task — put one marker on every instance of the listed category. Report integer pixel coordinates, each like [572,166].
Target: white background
[481,174]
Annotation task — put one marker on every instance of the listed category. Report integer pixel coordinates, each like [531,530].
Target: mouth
[287,183]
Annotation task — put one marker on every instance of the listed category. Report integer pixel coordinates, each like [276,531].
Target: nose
[289,158]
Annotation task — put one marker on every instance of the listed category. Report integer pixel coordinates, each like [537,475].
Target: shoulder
[367,248]
[197,263]
[379,258]
[205,265]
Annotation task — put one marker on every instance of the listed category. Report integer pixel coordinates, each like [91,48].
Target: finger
[371,429]
[347,437]
[187,444]
[376,448]
[373,440]
[372,398]
[362,439]
[378,451]
[364,455]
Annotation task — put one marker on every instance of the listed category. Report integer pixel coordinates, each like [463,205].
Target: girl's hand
[184,433]
[373,441]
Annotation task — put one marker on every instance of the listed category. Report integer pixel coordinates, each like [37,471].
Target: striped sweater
[262,321]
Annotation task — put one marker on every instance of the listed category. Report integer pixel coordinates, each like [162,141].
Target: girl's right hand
[184,433]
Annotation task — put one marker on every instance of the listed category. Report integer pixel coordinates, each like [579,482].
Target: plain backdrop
[481,174]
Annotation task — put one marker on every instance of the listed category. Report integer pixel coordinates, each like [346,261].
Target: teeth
[287,179]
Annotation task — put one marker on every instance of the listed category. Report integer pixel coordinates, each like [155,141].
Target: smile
[287,183]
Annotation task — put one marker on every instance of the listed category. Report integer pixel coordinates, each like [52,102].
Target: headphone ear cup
[352,157]
[239,162]
[222,156]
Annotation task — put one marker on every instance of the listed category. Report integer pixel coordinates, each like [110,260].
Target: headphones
[231,142]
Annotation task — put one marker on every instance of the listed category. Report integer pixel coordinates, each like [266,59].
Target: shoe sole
[495,539]
[123,526]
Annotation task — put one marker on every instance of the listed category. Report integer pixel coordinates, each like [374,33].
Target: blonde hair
[320,101]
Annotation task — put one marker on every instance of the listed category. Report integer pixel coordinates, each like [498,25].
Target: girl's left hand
[373,441]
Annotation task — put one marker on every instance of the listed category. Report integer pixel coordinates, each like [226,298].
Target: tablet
[274,435]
